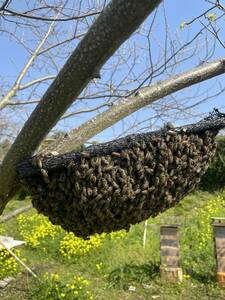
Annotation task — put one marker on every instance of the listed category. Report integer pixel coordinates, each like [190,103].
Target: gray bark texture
[115,24]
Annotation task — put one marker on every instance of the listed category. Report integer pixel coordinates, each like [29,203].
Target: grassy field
[115,266]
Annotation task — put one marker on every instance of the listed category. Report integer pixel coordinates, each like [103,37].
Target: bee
[148,156]
[166,163]
[37,162]
[144,192]
[70,168]
[98,197]
[138,191]
[171,132]
[138,166]
[78,174]
[161,168]
[109,190]
[115,185]
[105,161]
[149,171]
[77,187]
[123,173]
[141,176]
[84,166]
[124,155]
[44,173]
[167,138]
[117,192]
[132,155]
[156,181]
[104,183]
[179,138]
[116,154]
[162,179]
[95,191]
[136,144]
[89,172]
[93,178]
[83,198]
[108,168]
[143,145]
[93,161]
[84,191]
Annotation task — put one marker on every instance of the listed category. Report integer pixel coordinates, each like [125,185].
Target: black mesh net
[108,187]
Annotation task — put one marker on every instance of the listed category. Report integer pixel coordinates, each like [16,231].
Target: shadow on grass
[133,273]
[201,277]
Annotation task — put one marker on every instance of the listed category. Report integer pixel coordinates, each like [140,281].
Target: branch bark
[115,24]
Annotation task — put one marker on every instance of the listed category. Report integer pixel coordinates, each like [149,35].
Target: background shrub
[215,176]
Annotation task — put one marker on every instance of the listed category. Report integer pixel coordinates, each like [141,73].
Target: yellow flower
[98,266]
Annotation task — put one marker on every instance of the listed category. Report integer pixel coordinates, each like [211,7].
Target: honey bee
[44,173]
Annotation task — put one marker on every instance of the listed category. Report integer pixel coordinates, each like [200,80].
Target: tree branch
[85,110]
[127,106]
[23,102]
[13,13]
[36,81]
[4,5]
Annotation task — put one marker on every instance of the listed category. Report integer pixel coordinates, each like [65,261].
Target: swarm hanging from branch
[108,187]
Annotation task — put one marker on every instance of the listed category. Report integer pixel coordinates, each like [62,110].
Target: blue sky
[13,59]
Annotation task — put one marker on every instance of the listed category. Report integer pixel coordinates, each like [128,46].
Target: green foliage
[214,178]
[131,274]
[22,194]
[8,265]
[211,17]
[197,240]
[72,246]
[114,262]
[36,230]
[182,25]
[40,233]
[52,287]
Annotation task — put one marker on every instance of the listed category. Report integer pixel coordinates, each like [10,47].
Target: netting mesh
[110,186]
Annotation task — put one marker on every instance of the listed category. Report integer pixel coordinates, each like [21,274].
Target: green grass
[121,263]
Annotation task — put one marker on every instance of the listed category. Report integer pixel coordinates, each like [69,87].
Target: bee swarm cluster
[102,192]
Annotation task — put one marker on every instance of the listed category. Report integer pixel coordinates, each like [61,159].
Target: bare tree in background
[45,33]
[48,31]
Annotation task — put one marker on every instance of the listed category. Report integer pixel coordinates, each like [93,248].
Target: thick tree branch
[115,24]
[127,106]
